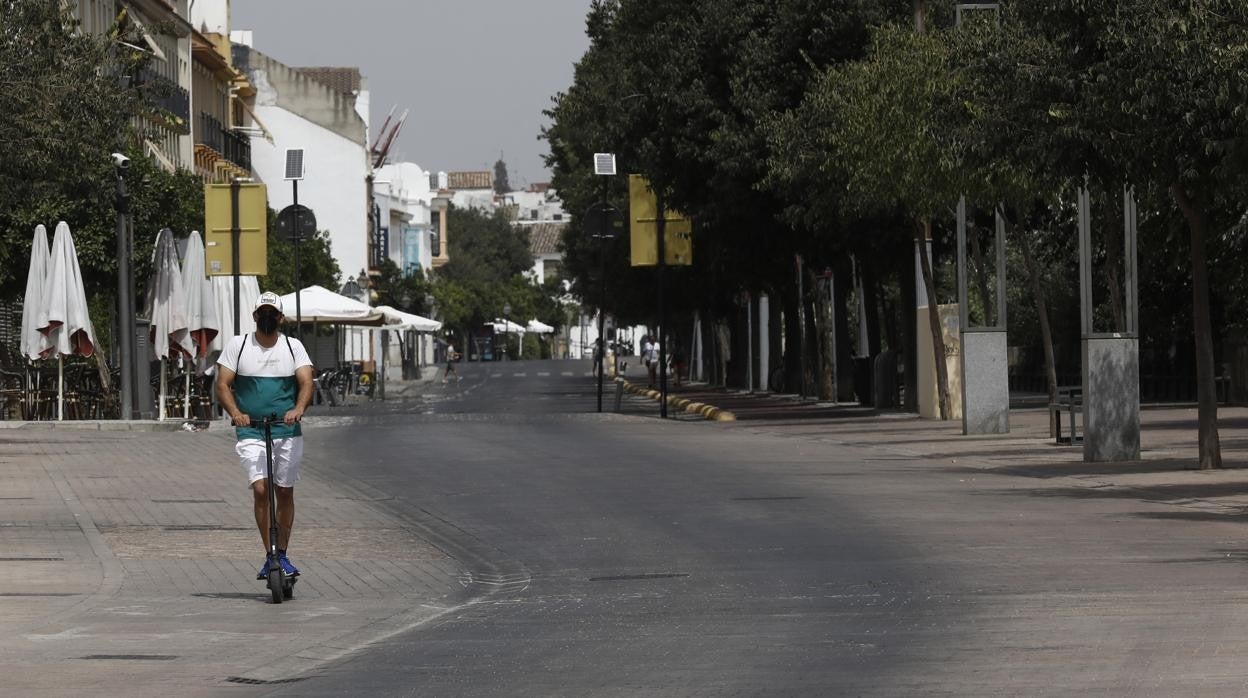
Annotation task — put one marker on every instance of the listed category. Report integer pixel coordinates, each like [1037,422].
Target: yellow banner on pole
[253,227]
[643,228]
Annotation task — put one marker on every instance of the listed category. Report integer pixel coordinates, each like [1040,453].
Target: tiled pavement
[127,566]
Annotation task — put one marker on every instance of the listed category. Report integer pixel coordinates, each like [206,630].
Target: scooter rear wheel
[277,581]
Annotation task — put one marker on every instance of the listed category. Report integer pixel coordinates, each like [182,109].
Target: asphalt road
[624,555]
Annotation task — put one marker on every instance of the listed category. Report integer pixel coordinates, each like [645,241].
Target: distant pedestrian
[650,353]
[451,357]
[678,363]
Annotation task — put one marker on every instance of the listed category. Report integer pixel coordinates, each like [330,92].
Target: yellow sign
[643,228]
[253,223]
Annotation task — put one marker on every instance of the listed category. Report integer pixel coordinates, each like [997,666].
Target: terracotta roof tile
[483,179]
[544,237]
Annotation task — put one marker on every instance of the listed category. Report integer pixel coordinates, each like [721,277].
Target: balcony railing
[234,146]
[165,95]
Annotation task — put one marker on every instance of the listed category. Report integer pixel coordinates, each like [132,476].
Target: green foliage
[484,247]
[501,184]
[405,292]
[489,258]
[63,113]
[317,265]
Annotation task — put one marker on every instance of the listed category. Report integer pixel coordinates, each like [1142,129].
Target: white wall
[404,187]
[211,16]
[333,186]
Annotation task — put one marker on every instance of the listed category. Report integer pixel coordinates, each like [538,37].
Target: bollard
[619,394]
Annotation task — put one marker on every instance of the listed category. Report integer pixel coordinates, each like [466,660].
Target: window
[435,233]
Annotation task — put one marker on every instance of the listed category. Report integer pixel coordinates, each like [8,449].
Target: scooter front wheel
[277,582]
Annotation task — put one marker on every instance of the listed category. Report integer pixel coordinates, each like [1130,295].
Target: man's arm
[225,396]
[303,376]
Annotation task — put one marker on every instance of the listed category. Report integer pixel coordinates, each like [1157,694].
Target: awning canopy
[398,320]
[320,305]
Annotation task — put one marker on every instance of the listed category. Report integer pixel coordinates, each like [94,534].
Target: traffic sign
[306,223]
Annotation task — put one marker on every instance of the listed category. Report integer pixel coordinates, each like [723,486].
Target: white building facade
[330,126]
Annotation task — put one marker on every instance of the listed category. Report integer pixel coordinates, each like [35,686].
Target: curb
[168,425]
[709,412]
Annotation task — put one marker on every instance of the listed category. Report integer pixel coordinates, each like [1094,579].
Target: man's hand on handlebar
[293,416]
[241,420]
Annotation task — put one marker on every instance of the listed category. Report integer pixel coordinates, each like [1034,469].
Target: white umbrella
[32,340]
[166,301]
[319,304]
[507,326]
[63,318]
[398,320]
[539,327]
[201,309]
[223,294]
[166,310]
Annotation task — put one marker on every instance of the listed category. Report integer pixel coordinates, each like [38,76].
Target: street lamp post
[125,298]
[506,325]
[602,220]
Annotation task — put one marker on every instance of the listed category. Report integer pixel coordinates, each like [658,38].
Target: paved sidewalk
[128,562]
[1165,473]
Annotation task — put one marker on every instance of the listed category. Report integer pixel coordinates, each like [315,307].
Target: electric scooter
[281,586]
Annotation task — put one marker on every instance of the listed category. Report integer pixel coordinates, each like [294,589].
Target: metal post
[661,233]
[801,327]
[1085,260]
[1130,263]
[963,310]
[125,301]
[749,342]
[298,283]
[235,234]
[601,358]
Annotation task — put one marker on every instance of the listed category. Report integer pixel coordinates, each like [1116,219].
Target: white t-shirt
[652,351]
[264,382]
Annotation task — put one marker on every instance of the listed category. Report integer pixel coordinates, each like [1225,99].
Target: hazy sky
[476,74]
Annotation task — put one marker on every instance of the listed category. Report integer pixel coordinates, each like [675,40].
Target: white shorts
[287,453]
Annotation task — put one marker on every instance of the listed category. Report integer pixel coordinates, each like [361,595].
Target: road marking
[567,374]
[543,374]
[588,373]
[519,375]
[496,375]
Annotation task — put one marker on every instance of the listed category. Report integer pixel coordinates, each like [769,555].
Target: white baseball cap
[269,299]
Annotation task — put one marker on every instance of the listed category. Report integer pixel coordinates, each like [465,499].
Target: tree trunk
[1206,385]
[922,232]
[823,349]
[844,355]
[1046,332]
[981,277]
[871,308]
[1113,277]
[909,332]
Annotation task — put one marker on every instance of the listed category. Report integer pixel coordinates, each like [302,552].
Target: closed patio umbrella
[223,296]
[63,318]
[166,310]
[201,311]
[32,340]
